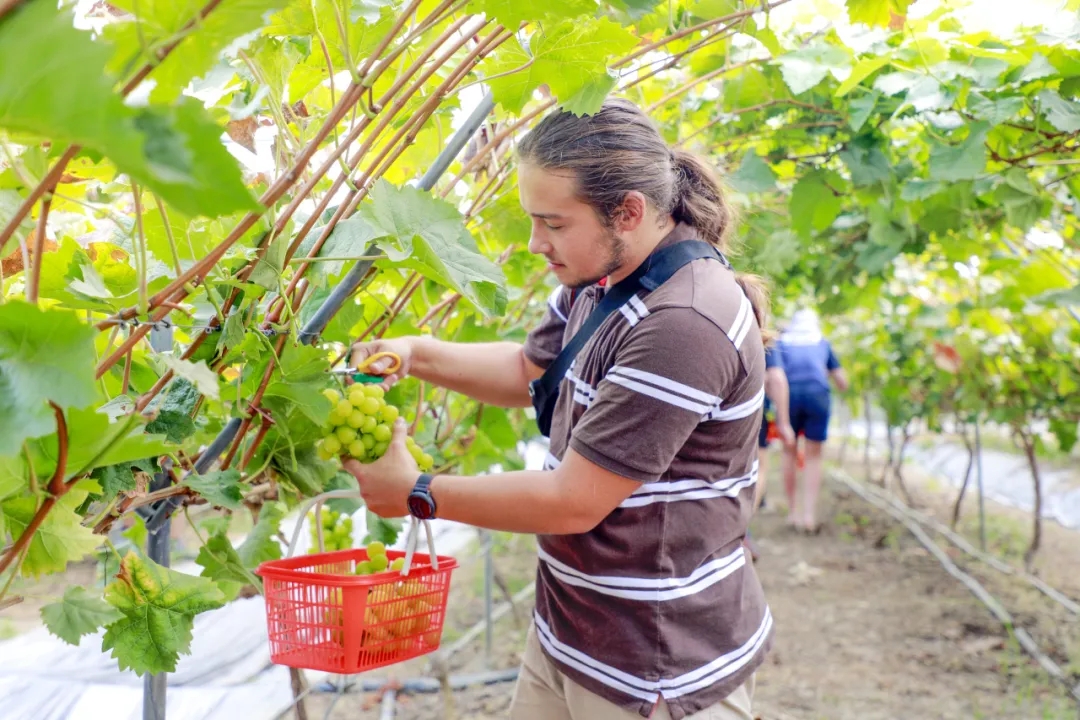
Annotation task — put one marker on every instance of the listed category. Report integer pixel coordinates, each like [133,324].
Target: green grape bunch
[361,424]
[336,531]
[377,561]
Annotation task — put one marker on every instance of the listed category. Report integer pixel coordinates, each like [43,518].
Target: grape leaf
[78,613]
[344,481]
[862,70]
[567,56]
[232,333]
[198,374]
[220,488]
[13,475]
[60,538]
[590,97]
[803,69]
[157,20]
[876,12]
[307,398]
[349,238]
[174,416]
[511,13]
[753,175]
[814,203]
[994,112]
[260,545]
[866,162]
[1062,114]
[429,235]
[221,563]
[174,151]
[964,161]
[159,606]
[385,530]
[861,107]
[44,355]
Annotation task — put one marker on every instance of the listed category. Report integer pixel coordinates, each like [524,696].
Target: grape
[356,419]
[332,395]
[374,391]
[345,434]
[356,395]
[364,568]
[375,547]
[389,413]
[379,563]
[398,564]
[427,462]
[369,441]
[370,405]
[331,444]
[344,409]
[382,433]
[370,423]
[380,449]
[357,450]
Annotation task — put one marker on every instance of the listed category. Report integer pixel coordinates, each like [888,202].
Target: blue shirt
[807,363]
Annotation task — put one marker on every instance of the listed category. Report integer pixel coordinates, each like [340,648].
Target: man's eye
[549,226]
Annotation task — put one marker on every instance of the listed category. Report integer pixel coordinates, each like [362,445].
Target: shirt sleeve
[673,369]
[545,341]
[831,363]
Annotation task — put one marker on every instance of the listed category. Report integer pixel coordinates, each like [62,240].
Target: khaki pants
[545,693]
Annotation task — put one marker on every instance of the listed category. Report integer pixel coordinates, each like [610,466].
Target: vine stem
[34,281]
[57,489]
[57,171]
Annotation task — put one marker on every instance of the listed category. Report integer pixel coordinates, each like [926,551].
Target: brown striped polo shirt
[660,598]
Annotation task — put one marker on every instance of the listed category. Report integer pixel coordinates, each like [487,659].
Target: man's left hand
[386,483]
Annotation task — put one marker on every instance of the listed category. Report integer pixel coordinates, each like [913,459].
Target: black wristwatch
[421,503]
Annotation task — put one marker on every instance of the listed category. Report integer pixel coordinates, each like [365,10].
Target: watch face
[420,507]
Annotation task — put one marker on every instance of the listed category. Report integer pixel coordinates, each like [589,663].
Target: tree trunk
[898,466]
[883,482]
[1028,443]
[967,476]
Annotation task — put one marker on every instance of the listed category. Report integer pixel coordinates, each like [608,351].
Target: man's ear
[631,213]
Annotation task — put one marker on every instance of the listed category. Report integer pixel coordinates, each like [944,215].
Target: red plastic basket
[320,616]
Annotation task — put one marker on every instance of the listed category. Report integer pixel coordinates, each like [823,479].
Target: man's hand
[386,483]
[786,433]
[402,347]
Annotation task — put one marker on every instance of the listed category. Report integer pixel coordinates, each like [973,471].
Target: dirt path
[869,627]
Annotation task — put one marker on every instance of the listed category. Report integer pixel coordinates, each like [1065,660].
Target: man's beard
[616,249]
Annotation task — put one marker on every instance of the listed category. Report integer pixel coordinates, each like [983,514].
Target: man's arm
[494,373]
[776,387]
[571,499]
[840,378]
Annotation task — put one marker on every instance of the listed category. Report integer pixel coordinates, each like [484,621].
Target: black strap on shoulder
[651,274]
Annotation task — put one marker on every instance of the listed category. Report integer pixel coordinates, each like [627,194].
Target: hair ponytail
[618,149]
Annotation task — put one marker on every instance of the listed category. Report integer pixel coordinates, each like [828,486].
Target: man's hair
[619,150]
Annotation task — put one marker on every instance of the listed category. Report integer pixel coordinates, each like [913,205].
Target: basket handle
[410,543]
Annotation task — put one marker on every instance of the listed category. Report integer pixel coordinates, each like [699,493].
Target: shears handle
[361,377]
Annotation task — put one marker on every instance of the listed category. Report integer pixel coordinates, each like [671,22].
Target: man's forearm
[525,501]
[493,373]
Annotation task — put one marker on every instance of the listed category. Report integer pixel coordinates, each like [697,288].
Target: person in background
[776,405]
[809,363]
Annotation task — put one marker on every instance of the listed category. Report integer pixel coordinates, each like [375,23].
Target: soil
[868,627]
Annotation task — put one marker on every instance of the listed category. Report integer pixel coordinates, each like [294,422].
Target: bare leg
[812,482]
[789,482]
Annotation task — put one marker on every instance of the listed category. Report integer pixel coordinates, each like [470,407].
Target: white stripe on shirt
[648,589]
[743,320]
[708,674]
[737,412]
[661,388]
[678,490]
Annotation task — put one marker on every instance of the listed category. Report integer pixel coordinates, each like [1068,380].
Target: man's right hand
[402,347]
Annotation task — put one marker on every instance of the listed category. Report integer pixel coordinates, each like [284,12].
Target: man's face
[579,249]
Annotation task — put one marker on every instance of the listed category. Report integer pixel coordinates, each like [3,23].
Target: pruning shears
[358,375]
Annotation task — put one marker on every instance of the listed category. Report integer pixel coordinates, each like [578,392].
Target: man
[810,364]
[645,603]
